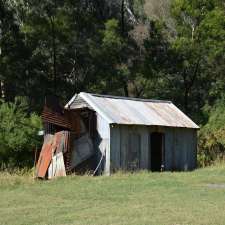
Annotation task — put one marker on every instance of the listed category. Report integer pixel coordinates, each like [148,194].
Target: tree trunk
[2,90]
[52,20]
[122,18]
[186,92]
[54,58]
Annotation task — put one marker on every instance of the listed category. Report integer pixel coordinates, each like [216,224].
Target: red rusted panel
[44,159]
[67,119]
[58,137]
[60,142]
[48,149]
[55,118]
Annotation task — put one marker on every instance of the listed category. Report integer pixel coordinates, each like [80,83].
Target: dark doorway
[157,151]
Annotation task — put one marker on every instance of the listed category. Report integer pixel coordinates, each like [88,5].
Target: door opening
[157,151]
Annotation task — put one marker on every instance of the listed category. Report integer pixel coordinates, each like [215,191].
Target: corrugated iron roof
[134,111]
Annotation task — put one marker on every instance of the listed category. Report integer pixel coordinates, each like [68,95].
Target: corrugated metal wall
[119,145]
[180,147]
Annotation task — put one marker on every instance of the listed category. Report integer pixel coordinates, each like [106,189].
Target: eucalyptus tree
[190,61]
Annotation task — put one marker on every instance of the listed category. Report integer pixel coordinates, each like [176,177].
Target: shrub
[211,146]
[18,133]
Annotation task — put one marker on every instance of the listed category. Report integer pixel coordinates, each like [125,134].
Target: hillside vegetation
[159,49]
[140,198]
[158,9]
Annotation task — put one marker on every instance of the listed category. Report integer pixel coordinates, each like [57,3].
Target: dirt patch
[221,186]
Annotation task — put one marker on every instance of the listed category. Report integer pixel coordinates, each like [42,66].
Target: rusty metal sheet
[55,118]
[44,158]
[133,111]
[59,143]
[51,144]
[67,119]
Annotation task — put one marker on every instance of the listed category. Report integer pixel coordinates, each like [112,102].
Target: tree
[198,47]
[13,55]
[183,63]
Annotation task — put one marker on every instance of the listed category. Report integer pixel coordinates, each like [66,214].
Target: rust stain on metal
[54,144]
[55,118]
[133,111]
[44,159]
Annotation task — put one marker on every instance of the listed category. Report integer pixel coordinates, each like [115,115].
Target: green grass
[141,198]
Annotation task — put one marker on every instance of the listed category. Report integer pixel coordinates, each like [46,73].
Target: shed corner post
[108,169]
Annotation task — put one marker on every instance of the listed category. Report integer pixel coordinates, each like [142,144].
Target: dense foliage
[172,49]
[18,134]
[212,135]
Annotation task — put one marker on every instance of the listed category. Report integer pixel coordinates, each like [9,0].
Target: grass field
[142,198]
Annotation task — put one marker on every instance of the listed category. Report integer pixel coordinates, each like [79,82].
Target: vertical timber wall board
[169,148]
[103,142]
[145,153]
[180,147]
[115,148]
[189,148]
[119,145]
[192,156]
[124,136]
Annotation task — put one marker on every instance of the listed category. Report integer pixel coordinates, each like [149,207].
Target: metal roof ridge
[128,98]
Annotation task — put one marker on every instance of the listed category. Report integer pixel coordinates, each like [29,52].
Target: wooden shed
[133,134]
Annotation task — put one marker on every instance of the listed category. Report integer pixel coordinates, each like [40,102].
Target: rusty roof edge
[154,125]
[195,126]
[88,98]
